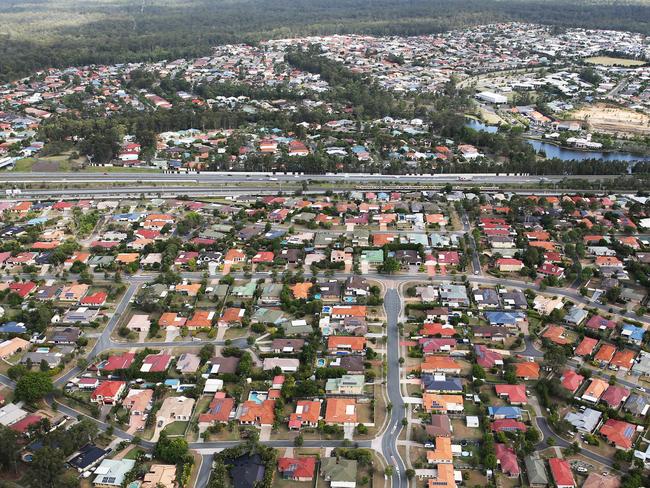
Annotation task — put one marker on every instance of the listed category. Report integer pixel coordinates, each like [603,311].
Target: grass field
[176,428]
[610,61]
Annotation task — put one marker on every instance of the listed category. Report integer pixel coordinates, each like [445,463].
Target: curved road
[393,307]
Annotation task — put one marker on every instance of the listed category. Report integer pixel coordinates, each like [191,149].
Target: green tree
[46,467]
[8,449]
[171,450]
[33,386]
[390,266]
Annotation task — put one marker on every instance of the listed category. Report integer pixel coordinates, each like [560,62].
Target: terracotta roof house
[119,361]
[97,299]
[507,425]
[341,411]
[561,472]
[160,476]
[435,329]
[556,334]
[487,358]
[22,289]
[614,396]
[442,453]
[307,414]
[156,363]
[219,410]
[507,460]
[440,364]
[516,394]
[189,289]
[297,469]
[253,413]
[434,402]
[108,392]
[618,433]
[595,390]
[600,323]
[202,319]
[605,354]
[138,401]
[346,344]
[623,360]
[231,316]
[571,380]
[171,319]
[528,370]
[586,347]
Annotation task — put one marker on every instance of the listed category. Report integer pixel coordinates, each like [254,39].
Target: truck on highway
[465,178]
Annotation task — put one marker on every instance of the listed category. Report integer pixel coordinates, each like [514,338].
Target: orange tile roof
[350,310]
[438,363]
[555,334]
[201,318]
[169,319]
[623,359]
[301,290]
[596,388]
[341,411]
[382,239]
[127,257]
[442,451]
[258,413]
[307,411]
[445,477]
[605,353]
[549,246]
[529,369]
[586,347]
[434,401]
[192,289]
[354,343]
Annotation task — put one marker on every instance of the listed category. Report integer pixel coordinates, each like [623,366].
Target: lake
[553,151]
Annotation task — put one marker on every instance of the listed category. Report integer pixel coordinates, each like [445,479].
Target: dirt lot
[461,431]
[610,61]
[607,118]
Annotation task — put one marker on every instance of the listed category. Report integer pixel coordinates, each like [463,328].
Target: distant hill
[41,33]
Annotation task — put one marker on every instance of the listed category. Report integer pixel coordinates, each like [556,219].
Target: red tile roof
[121,361]
[618,433]
[507,459]
[297,468]
[561,472]
[572,380]
[587,346]
[515,393]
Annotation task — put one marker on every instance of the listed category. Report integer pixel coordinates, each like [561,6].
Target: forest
[37,34]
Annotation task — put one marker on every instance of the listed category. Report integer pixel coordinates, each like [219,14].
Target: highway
[242,177]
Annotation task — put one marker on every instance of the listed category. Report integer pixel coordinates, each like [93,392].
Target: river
[554,151]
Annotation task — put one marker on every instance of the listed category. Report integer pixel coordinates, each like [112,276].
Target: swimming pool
[320,362]
[257,396]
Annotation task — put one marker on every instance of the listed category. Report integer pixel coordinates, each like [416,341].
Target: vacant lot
[607,118]
[609,61]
